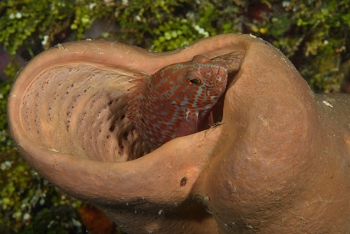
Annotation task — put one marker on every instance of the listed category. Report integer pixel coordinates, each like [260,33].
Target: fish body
[175,100]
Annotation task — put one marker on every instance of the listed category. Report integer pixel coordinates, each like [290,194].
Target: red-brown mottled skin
[175,100]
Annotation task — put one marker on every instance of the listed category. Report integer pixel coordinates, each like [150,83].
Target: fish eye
[194,81]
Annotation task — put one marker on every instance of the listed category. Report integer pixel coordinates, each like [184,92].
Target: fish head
[199,83]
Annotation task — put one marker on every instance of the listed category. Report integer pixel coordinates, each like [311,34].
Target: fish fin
[136,97]
[210,120]
[206,121]
[189,125]
[201,59]
[133,88]
[137,80]
[141,75]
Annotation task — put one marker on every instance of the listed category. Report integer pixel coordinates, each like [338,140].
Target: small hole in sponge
[121,146]
[112,127]
[183,181]
[125,136]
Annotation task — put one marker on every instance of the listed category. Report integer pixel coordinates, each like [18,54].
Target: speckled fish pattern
[175,100]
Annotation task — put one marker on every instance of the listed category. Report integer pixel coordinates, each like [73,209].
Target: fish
[176,100]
